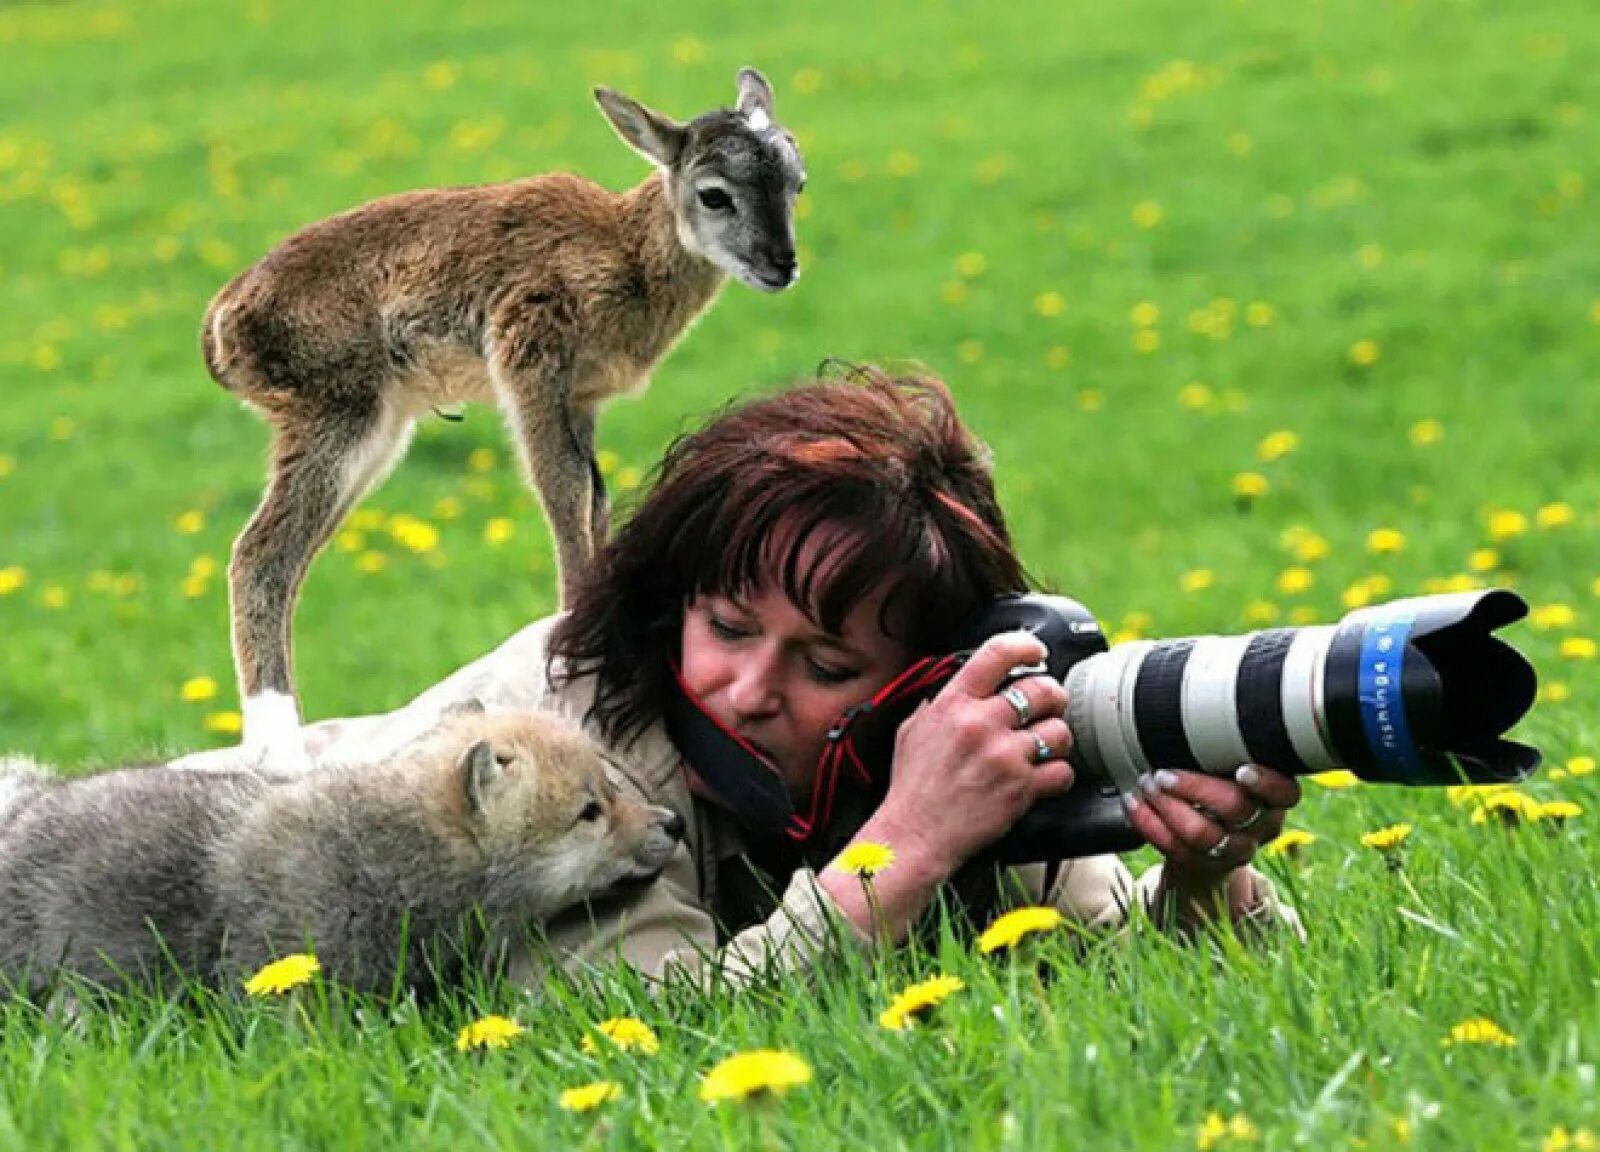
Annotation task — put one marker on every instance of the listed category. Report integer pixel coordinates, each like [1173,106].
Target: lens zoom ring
[1259,693]
[1158,706]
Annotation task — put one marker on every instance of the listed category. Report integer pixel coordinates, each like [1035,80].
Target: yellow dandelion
[1276,445]
[1358,595]
[488,1032]
[8,465]
[223,723]
[1309,547]
[866,859]
[627,1034]
[1259,613]
[372,562]
[1291,843]
[587,1097]
[63,428]
[1011,928]
[1479,1030]
[1427,431]
[1577,648]
[688,50]
[1580,766]
[1559,811]
[1091,399]
[757,1073]
[1146,341]
[1058,356]
[1292,581]
[1385,541]
[1369,255]
[1144,314]
[1259,314]
[450,507]
[1387,839]
[1197,580]
[1547,617]
[918,1001]
[198,690]
[971,265]
[1250,486]
[54,596]
[440,76]
[1147,214]
[1336,780]
[1509,806]
[1214,1129]
[283,975]
[903,163]
[954,292]
[1365,353]
[629,477]
[1483,560]
[480,460]
[969,351]
[498,530]
[413,534]
[1197,396]
[191,523]
[1504,523]
[1463,794]
[1049,304]
[1555,515]
[194,587]
[1579,1140]
[807,80]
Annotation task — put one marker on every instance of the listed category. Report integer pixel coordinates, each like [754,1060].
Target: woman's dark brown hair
[877,468]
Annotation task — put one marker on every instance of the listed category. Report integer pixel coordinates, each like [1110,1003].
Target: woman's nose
[753,689]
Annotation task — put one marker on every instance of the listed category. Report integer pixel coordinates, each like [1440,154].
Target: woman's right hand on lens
[972,760]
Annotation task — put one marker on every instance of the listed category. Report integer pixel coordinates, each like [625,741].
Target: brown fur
[548,295]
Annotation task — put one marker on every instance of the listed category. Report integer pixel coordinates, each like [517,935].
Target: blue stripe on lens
[1383,709]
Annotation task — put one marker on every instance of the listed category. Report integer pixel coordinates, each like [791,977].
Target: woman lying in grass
[792,557]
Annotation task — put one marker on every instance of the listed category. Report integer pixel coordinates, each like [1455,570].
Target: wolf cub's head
[553,827]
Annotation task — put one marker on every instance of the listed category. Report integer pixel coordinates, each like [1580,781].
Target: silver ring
[1255,818]
[1018,700]
[1217,850]
[1041,749]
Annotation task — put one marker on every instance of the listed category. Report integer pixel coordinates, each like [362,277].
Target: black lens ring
[1259,696]
[1158,706]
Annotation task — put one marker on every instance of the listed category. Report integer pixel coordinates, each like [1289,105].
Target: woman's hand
[978,755]
[1209,828]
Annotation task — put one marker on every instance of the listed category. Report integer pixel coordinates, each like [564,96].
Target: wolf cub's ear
[480,768]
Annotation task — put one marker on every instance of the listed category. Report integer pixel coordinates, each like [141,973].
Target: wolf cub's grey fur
[445,856]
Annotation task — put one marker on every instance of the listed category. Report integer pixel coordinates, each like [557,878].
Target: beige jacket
[670,928]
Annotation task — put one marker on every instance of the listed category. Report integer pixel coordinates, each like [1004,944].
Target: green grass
[1422,175]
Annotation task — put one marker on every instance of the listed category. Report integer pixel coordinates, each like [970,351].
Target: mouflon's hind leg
[319,470]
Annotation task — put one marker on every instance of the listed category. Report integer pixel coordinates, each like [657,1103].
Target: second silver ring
[1018,700]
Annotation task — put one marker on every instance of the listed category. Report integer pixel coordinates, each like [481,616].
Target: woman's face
[766,671]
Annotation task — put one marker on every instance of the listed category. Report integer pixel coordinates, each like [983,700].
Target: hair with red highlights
[877,468]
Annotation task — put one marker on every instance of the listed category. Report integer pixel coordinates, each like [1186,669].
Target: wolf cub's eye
[503,759]
[591,811]
[716,199]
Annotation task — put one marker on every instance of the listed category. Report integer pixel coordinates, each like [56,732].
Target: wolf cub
[443,857]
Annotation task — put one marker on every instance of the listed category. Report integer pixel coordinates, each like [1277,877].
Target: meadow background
[1266,311]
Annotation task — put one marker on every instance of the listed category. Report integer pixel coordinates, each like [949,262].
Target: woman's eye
[722,630]
[716,199]
[823,674]
[591,811]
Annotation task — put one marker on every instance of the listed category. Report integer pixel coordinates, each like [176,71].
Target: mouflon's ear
[479,772]
[755,98]
[659,139]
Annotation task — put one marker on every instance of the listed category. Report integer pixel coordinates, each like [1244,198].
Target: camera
[1413,692]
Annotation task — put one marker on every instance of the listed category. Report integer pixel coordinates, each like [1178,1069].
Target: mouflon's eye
[716,199]
[591,811]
